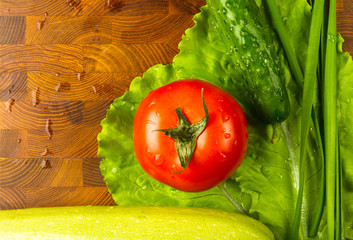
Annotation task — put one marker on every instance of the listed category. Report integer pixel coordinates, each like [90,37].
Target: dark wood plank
[91,173]
[13,86]
[12,30]
[12,198]
[13,143]
[345,28]
[182,6]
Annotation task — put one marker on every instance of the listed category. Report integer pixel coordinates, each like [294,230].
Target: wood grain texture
[42,58]
[150,28]
[12,30]
[12,198]
[92,86]
[27,172]
[123,58]
[83,7]
[68,30]
[62,63]
[13,86]
[345,23]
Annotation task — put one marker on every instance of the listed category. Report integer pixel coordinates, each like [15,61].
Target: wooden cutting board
[62,62]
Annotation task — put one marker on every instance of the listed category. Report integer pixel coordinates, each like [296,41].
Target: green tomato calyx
[186,134]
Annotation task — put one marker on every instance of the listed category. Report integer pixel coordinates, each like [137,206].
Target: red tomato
[220,148]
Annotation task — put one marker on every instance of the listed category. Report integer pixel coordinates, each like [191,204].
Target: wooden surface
[62,62]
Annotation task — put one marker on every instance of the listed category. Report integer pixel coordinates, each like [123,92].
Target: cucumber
[248,39]
[102,222]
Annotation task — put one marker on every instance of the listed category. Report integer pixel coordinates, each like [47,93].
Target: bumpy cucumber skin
[98,222]
[249,40]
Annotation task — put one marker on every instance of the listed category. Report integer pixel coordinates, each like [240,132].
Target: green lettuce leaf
[266,183]
[345,116]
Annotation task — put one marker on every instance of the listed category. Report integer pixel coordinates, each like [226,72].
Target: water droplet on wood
[94,89]
[19,141]
[8,104]
[48,128]
[101,89]
[46,152]
[9,91]
[40,24]
[114,4]
[79,76]
[35,97]
[45,163]
[61,87]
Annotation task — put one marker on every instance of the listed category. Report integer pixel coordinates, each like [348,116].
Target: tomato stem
[186,134]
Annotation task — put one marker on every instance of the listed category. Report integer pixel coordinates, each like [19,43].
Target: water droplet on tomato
[151,104]
[227,135]
[222,154]
[149,122]
[225,118]
[235,142]
[149,150]
[158,114]
[158,159]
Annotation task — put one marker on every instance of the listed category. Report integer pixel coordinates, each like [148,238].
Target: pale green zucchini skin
[93,222]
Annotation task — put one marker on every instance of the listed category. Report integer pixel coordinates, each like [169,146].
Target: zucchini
[102,222]
[249,40]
